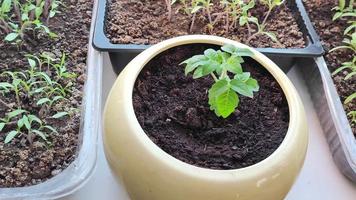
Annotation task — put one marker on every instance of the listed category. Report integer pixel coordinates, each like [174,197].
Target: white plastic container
[79,171]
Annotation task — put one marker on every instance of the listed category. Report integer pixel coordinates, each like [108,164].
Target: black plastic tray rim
[313,49]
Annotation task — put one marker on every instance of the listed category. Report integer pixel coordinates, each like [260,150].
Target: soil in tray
[145,22]
[24,164]
[173,111]
[331,33]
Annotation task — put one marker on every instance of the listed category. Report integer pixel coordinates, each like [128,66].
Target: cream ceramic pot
[149,173]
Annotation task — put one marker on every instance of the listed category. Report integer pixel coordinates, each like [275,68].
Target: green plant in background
[26,15]
[271,4]
[347,65]
[36,85]
[343,10]
[24,123]
[235,11]
[349,43]
[4,15]
[220,64]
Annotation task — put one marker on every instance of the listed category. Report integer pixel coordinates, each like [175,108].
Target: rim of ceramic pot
[296,111]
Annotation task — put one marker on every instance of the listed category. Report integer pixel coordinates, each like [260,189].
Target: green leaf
[233,64]
[196,9]
[337,15]
[26,122]
[229,48]
[60,115]
[51,129]
[198,73]
[41,134]
[20,123]
[253,84]
[241,88]
[31,62]
[15,113]
[11,37]
[226,103]
[271,35]
[2,125]
[243,77]
[10,136]
[211,54]
[218,88]
[6,6]
[190,67]
[33,118]
[42,101]
[6,85]
[350,98]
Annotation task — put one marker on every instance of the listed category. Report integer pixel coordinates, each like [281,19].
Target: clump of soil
[145,22]
[173,111]
[24,164]
[331,33]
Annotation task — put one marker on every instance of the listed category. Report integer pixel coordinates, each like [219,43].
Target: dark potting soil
[145,22]
[331,33]
[24,164]
[173,111]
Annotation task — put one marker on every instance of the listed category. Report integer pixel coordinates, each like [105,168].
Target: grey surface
[319,178]
[332,116]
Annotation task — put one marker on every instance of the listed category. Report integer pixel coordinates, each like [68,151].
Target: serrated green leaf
[226,103]
[241,88]
[253,84]
[218,88]
[229,48]
[211,54]
[242,77]
[233,64]
[11,135]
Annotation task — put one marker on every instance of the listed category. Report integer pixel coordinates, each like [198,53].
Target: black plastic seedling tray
[121,54]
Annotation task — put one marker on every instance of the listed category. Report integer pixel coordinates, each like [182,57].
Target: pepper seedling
[223,94]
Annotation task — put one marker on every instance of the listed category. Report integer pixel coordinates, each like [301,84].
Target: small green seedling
[344,11]
[220,64]
[350,43]
[27,15]
[347,65]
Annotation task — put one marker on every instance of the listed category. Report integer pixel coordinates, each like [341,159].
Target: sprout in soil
[343,11]
[220,64]
[17,18]
[47,91]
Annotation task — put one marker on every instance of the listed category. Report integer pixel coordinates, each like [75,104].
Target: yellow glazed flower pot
[149,173]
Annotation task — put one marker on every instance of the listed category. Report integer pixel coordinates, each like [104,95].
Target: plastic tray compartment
[121,54]
[332,116]
[78,172]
